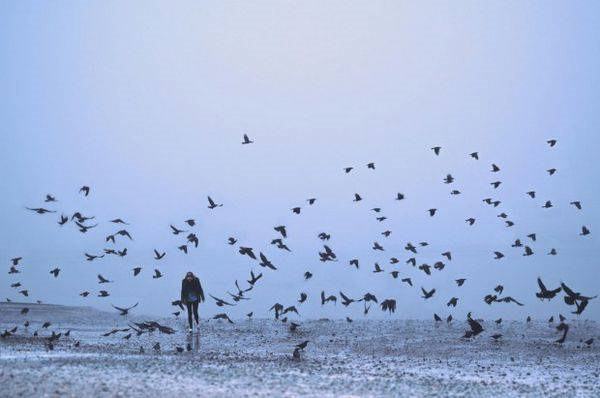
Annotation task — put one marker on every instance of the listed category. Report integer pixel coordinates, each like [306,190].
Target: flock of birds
[190,241]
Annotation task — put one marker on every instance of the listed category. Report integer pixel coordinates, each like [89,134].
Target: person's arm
[200,292]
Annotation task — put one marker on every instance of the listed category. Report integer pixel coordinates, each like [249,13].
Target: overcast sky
[147,102]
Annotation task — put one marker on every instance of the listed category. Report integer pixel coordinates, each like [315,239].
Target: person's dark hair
[189,273]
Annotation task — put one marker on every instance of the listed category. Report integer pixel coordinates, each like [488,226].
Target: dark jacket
[192,286]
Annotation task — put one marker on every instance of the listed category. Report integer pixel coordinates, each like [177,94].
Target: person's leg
[196,312]
[189,312]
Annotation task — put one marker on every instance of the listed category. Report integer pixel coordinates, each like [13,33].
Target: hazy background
[146,102]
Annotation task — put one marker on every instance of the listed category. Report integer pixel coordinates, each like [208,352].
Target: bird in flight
[124,311]
[212,204]
[246,140]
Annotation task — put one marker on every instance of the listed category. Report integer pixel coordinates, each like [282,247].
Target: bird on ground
[562,327]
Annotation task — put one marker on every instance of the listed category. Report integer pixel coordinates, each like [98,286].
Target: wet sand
[254,358]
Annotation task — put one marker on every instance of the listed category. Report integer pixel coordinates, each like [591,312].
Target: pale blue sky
[147,102]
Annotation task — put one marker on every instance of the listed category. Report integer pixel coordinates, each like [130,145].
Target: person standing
[191,295]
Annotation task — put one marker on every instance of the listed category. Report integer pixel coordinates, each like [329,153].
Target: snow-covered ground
[254,358]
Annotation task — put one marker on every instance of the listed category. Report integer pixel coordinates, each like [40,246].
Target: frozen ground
[254,358]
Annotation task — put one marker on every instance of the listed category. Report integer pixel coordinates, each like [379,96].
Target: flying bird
[212,204]
[246,140]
